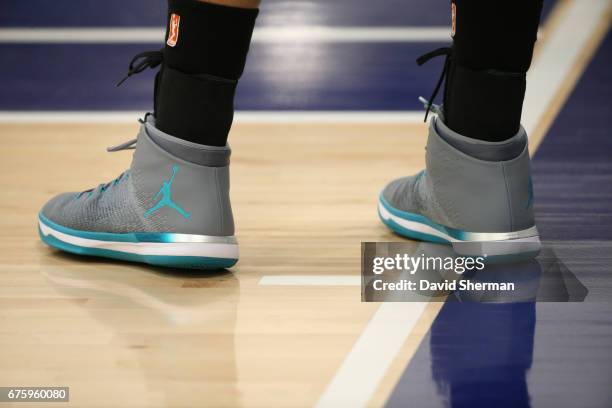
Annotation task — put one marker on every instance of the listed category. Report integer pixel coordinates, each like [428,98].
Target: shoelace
[447,51]
[105,186]
[142,61]
[130,144]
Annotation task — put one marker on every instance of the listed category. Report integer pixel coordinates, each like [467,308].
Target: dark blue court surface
[573,166]
[540,354]
[279,76]
[319,76]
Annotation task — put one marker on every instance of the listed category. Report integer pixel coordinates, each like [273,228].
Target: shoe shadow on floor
[100,262]
[167,332]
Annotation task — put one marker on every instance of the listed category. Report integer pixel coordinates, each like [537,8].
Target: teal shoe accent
[166,197]
[421,219]
[99,236]
[188,262]
[419,236]
[164,237]
[451,232]
[412,216]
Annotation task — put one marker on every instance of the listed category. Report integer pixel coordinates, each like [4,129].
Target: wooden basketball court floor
[284,327]
[304,198]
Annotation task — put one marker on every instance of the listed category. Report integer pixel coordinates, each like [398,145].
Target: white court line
[310,280]
[292,117]
[291,34]
[372,354]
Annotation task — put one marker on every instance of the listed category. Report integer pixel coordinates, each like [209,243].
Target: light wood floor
[119,334]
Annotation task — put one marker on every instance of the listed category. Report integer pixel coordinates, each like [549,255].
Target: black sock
[204,56]
[492,50]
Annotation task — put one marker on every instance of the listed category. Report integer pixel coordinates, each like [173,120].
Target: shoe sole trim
[421,228]
[183,254]
[448,234]
[163,237]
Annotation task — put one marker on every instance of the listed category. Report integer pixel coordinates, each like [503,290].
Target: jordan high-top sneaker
[473,194]
[171,208]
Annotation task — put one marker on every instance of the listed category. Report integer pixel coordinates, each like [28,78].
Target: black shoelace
[142,61]
[426,57]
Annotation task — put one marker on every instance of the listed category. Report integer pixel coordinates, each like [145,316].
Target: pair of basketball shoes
[172,206]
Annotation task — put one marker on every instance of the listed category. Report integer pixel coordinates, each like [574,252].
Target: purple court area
[279,76]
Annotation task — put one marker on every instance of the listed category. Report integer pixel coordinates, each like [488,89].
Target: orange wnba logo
[175,20]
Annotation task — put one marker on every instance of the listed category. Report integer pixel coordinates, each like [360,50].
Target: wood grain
[119,334]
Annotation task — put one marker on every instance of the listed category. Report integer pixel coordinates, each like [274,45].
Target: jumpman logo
[166,197]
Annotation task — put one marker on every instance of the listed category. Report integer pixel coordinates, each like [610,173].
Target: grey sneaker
[475,195]
[171,208]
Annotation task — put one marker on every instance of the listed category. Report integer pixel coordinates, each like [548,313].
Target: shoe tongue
[203,155]
[480,149]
